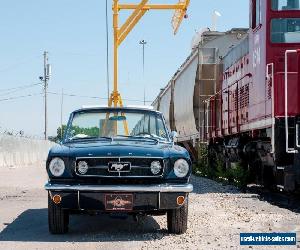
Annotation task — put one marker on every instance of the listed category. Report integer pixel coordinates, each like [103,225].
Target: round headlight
[82,167]
[155,167]
[57,167]
[181,168]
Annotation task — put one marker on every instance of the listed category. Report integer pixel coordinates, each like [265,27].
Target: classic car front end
[119,160]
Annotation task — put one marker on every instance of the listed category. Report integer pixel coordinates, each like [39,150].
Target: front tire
[177,219]
[58,218]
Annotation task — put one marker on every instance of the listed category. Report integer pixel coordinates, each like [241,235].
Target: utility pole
[143,43]
[45,79]
[61,113]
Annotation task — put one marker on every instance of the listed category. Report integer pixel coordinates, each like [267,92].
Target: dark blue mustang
[118,160]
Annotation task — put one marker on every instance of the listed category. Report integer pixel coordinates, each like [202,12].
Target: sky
[73,32]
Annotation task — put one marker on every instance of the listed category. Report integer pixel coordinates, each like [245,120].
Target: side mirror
[174,135]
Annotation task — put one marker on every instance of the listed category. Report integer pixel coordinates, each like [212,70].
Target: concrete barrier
[19,151]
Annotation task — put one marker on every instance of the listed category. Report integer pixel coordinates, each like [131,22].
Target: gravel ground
[217,215]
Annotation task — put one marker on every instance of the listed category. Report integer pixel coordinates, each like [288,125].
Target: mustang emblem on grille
[117,167]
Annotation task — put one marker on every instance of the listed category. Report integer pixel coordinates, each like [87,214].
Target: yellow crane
[120,33]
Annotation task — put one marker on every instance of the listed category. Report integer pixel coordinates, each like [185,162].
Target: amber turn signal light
[56,199]
[180,200]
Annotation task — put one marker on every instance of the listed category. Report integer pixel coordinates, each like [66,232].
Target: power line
[20,87]
[65,94]
[74,95]
[75,54]
[19,97]
[91,97]
[16,90]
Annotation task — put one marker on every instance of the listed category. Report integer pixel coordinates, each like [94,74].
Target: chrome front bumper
[162,188]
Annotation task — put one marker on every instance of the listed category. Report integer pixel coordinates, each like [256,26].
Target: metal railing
[268,75]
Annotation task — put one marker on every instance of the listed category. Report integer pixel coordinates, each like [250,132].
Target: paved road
[217,215]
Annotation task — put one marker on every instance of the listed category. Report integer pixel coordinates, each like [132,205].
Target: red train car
[254,117]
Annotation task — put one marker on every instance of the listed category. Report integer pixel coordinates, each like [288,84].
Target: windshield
[285,30]
[108,124]
[285,5]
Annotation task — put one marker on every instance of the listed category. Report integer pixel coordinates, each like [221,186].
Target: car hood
[118,148]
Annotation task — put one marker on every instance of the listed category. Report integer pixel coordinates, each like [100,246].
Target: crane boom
[121,33]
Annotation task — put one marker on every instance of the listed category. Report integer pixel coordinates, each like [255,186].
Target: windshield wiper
[91,138]
[139,137]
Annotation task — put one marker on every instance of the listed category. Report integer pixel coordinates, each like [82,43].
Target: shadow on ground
[32,226]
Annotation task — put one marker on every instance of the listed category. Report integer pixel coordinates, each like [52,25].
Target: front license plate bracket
[118,202]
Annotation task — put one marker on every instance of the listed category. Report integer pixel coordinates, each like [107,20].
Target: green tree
[61,132]
[93,131]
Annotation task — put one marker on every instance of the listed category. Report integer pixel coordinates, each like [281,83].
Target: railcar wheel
[58,218]
[177,219]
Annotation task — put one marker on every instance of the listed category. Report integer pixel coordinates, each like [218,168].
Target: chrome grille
[140,167]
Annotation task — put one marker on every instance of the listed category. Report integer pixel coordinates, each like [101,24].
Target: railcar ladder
[207,77]
[286,175]
[288,149]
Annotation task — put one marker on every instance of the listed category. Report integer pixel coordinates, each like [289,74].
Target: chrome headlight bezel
[82,167]
[181,168]
[155,167]
[57,167]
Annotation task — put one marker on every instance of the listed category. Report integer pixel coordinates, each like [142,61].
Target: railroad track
[281,199]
